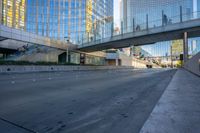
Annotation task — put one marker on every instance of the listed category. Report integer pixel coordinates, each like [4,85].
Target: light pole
[67,52]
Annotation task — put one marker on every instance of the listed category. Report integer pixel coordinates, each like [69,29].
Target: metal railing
[137,28]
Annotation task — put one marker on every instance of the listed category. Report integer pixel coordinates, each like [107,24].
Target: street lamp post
[67,52]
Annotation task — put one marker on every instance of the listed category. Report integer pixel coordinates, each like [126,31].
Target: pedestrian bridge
[8,34]
[149,34]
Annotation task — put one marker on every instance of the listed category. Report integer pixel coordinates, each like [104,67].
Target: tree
[177,47]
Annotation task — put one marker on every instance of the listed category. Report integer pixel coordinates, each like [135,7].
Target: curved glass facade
[67,19]
[70,20]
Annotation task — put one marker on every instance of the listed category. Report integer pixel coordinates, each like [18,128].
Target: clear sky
[116,12]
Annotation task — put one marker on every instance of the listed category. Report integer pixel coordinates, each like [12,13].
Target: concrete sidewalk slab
[178,110]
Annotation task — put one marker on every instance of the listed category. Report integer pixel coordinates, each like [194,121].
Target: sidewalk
[178,110]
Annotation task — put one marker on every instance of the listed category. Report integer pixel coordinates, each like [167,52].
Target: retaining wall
[24,69]
[193,65]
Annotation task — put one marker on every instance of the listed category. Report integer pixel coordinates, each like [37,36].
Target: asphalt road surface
[107,101]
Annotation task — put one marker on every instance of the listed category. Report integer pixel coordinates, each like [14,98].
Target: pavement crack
[19,126]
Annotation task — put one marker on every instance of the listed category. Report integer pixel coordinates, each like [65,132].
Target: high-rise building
[13,13]
[198,7]
[123,12]
[136,12]
[68,19]
[72,20]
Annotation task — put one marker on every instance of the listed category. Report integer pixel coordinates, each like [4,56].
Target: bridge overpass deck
[7,33]
[146,36]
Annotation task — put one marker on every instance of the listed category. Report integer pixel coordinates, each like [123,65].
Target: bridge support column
[67,55]
[131,51]
[117,61]
[185,47]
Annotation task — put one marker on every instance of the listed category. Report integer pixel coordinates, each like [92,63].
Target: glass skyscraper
[13,13]
[138,10]
[72,20]
[68,19]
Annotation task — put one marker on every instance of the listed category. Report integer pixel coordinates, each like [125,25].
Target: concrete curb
[176,110]
[54,68]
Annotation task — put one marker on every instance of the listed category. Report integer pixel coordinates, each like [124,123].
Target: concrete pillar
[67,55]
[131,51]
[185,47]
[171,56]
[117,61]
[117,58]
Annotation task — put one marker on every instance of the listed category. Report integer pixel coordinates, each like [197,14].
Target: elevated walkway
[178,110]
[147,35]
[26,37]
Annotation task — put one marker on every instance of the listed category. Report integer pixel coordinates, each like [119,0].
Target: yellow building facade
[14,13]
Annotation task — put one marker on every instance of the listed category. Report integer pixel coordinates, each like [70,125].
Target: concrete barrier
[54,68]
[193,65]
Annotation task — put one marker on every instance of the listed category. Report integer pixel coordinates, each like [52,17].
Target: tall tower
[13,13]
[68,19]
[123,12]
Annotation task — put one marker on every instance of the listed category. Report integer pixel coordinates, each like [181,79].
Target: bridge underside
[2,38]
[7,51]
[151,36]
